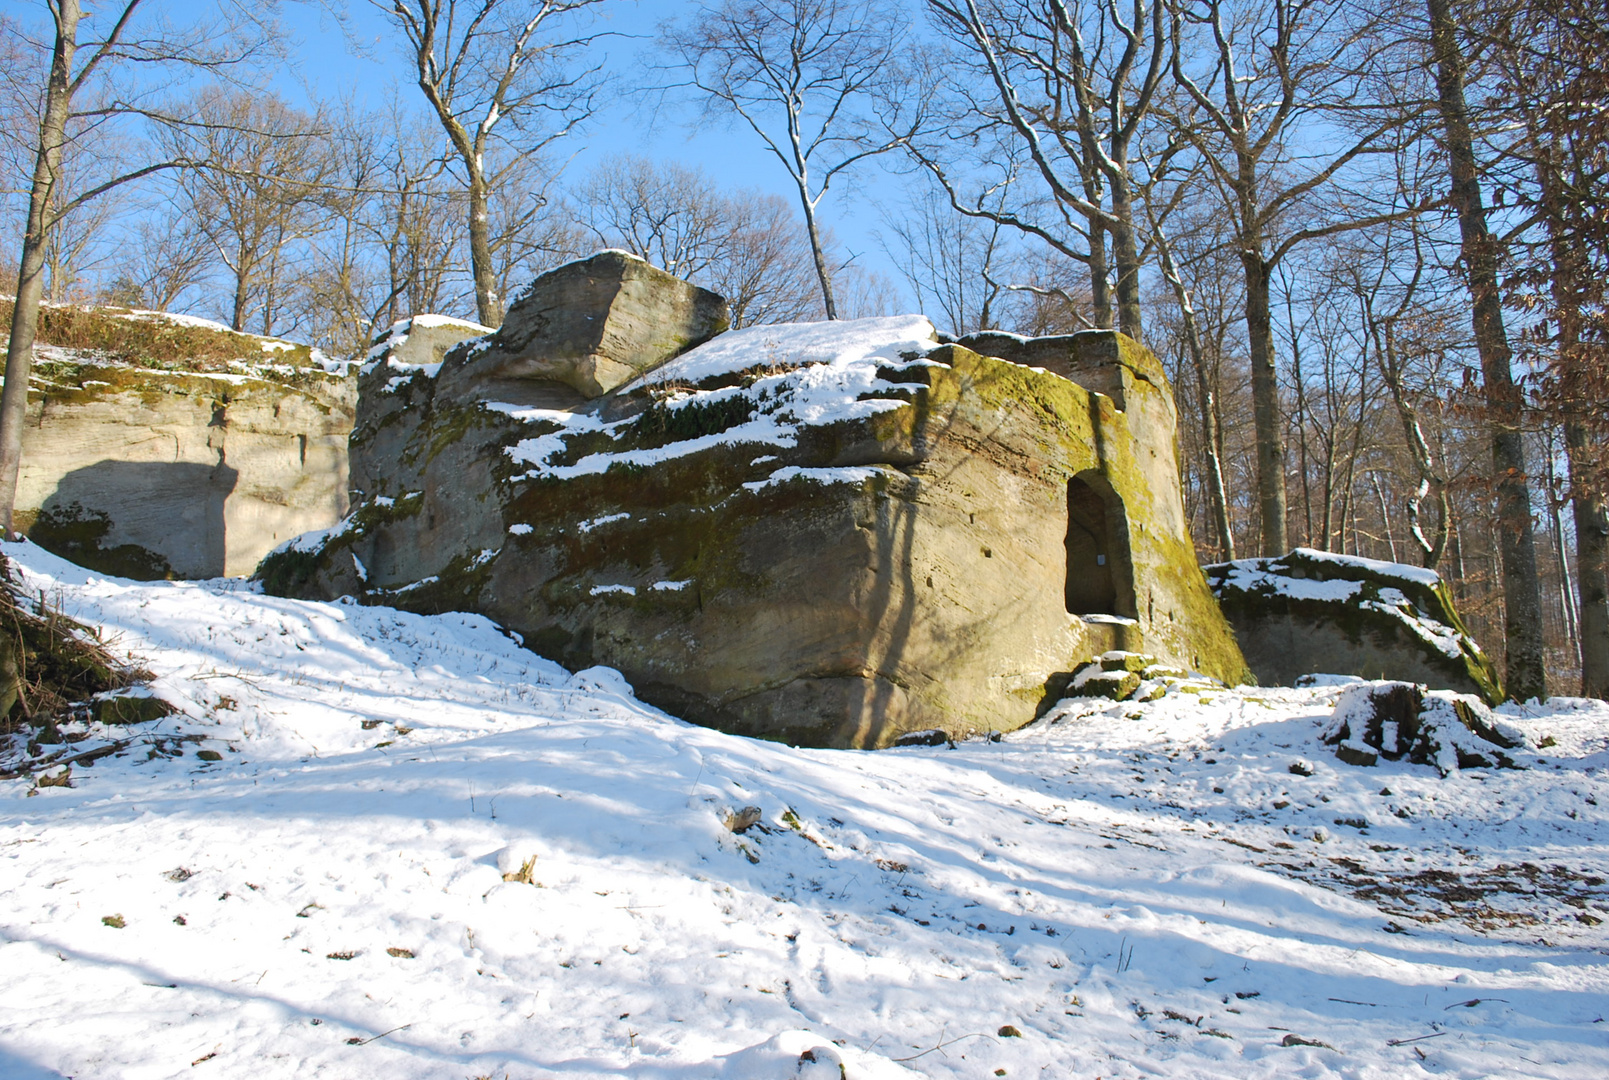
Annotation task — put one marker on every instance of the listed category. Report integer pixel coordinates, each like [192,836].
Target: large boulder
[161,446]
[1314,612]
[830,534]
[590,326]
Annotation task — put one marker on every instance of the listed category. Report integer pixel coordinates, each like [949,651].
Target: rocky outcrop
[830,534]
[589,326]
[148,463]
[1315,612]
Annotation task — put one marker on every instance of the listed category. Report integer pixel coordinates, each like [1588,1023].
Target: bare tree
[745,245]
[68,95]
[1211,436]
[1505,406]
[1390,325]
[1554,160]
[958,263]
[268,166]
[529,232]
[666,213]
[498,74]
[818,81]
[1074,83]
[768,274]
[335,297]
[411,223]
[1265,73]
[159,258]
[74,246]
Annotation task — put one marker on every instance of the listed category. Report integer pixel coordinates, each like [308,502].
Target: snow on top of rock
[397,335]
[785,345]
[1252,575]
[1416,574]
[1276,573]
[1272,576]
[825,373]
[844,474]
[1438,635]
[175,318]
[314,541]
[428,320]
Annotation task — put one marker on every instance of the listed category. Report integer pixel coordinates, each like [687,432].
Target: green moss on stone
[78,534]
[1352,618]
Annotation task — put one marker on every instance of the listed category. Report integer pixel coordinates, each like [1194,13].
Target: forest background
[1368,240]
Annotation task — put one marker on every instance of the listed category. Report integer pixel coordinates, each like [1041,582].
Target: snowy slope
[1138,890]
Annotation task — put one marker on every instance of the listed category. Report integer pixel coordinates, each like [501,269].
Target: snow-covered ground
[1126,890]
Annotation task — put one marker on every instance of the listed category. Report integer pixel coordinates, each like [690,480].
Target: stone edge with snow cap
[1311,611]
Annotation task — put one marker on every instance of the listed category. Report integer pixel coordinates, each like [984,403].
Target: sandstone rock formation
[1315,612]
[590,326]
[830,534]
[175,448]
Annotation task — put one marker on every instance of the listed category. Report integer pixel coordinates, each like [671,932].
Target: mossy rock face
[129,707]
[154,340]
[79,535]
[1315,612]
[825,553]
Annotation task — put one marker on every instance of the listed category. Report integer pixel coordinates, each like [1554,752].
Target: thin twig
[946,1042]
[1417,1038]
[376,1038]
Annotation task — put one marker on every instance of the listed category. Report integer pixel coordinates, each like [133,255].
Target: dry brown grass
[148,342]
[48,663]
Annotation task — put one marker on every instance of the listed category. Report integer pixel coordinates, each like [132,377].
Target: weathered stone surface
[591,325]
[412,347]
[1312,611]
[182,470]
[783,537]
[421,342]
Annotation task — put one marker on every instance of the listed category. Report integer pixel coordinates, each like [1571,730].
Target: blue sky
[370,65]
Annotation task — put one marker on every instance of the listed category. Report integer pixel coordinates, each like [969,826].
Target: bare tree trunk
[1327,525]
[1301,419]
[1526,676]
[1347,515]
[1459,589]
[1592,566]
[1126,255]
[488,301]
[1385,514]
[242,300]
[823,272]
[1100,284]
[1265,406]
[1586,501]
[1212,440]
[30,276]
[1429,480]
[1567,610]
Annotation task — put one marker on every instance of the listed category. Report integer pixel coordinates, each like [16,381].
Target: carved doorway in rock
[1100,576]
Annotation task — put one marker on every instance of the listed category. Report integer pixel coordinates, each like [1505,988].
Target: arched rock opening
[1100,578]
